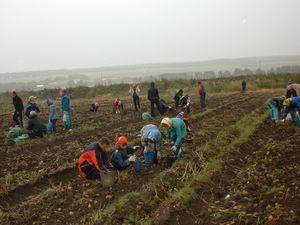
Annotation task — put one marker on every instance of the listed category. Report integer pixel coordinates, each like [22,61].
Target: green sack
[146,116]
[14,132]
[23,137]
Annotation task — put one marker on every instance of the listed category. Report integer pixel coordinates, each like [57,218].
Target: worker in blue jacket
[292,106]
[66,108]
[53,115]
[151,136]
[120,158]
[176,132]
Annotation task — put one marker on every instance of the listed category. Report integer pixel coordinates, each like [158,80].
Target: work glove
[132,158]
[174,148]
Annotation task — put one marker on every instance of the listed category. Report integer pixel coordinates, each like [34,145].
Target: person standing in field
[244,86]
[53,115]
[135,90]
[66,108]
[19,109]
[202,94]
[153,97]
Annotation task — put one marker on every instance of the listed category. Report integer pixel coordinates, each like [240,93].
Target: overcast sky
[54,34]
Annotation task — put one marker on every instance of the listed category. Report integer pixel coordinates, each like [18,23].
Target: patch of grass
[272,190]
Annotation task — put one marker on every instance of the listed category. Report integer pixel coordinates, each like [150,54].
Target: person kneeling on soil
[120,158]
[94,159]
[176,132]
[151,136]
[275,104]
[185,103]
[36,128]
[292,106]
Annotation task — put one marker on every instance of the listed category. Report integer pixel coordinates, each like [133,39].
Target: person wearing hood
[135,90]
[53,115]
[153,97]
[19,109]
[120,158]
[36,128]
[292,106]
[66,108]
[94,159]
[275,104]
[176,132]
[151,136]
[177,97]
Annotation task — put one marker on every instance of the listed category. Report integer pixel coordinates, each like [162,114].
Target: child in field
[53,115]
[66,108]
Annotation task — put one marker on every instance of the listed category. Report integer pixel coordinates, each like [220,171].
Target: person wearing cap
[177,97]
[292,106]
[275,104]
[66,108]
[36,128]
[293,90]
[53,115]
[151,136]
[31,106]
[94,160]
[176,132]
[120,158]
[19,109]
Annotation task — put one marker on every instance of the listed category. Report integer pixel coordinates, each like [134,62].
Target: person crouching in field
[292,106]
[36,128]
[275,104]
[95,106]
[94,159]
[66,108]
[151,136]
[120,158]
[53,115]
[117,106]
[185,103]
[176,132]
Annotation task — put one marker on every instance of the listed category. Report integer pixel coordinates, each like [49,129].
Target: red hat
[121,141]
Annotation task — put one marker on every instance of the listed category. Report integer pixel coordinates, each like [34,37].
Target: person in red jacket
[94,159]
[202,93]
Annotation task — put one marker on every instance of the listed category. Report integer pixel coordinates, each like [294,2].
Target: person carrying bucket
[292,106]
[94,159]
[275,104]
[151,141]
[120,158]
[176,132]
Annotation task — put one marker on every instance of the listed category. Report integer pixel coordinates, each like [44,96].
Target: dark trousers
[177,100]
[136,102]
[53,122]
[18,118]
[155,102]
[202,101]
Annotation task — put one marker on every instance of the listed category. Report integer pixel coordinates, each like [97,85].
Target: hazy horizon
[52,34]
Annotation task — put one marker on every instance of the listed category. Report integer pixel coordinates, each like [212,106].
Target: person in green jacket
[176,132]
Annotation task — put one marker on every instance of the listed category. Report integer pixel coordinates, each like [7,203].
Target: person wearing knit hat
[31,106]
[120,158]
[53,116]
[176,132]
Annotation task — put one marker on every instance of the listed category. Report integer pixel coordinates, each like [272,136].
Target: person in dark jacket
[177,97]
[94,159]
[31,106]
[244,86]
[153,97]
[36,128]
[185,103]
[120,158]
[19,109]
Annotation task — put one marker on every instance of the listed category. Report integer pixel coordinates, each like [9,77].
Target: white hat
[32,98]
[167,121]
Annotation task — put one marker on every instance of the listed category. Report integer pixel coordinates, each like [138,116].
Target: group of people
[27,117]
[286,107]
[95,158]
